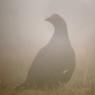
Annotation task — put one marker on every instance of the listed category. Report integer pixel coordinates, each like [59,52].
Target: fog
[24,31]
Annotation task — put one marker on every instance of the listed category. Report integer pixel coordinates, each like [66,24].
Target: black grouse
[55,63]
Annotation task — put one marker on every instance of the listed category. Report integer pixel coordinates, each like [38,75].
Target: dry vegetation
[74,88]
[82,83]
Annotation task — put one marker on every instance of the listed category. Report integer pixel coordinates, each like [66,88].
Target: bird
[55,63]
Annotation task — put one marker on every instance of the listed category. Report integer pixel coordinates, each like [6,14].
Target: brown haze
[23,32]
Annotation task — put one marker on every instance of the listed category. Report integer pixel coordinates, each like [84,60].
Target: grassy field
[82,83]
[71,90]
[79,85]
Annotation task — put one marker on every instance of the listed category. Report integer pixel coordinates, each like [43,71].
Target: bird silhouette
[55,63]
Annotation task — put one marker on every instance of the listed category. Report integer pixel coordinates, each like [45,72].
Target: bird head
[56,20]
[53,18]
[59,24]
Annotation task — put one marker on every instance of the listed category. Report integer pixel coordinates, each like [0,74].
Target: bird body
[55,63]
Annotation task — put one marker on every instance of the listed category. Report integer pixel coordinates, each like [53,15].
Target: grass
[70,89]
[82,83]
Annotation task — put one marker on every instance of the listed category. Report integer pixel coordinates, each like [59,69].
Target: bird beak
[47,19]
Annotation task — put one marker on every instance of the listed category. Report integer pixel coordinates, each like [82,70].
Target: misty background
[24,31]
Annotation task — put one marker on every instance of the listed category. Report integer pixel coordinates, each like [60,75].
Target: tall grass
[70,89]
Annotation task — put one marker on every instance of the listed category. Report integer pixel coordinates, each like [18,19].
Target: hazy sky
[24,31]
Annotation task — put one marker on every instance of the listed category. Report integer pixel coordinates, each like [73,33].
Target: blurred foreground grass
[74,88]
[82,83]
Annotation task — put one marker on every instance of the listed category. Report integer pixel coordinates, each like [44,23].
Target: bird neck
[61,32]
